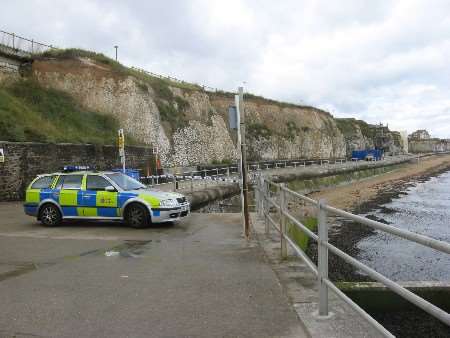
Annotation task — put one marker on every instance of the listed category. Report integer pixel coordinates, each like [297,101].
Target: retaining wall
[23,161]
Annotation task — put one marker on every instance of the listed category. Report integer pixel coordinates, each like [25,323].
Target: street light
[116,51]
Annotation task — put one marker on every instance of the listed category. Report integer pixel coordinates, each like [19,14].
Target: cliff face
[190,126]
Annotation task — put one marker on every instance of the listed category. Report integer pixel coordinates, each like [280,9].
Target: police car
[101,195]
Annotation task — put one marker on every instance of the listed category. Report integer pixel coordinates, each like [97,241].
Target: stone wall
[23,161]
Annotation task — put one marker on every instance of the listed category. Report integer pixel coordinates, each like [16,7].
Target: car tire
[49,215]
[137,216]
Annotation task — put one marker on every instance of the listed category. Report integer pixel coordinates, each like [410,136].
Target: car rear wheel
[50,215]
[137,216]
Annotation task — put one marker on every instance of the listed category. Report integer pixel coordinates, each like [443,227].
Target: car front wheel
[50,215]
[137,216]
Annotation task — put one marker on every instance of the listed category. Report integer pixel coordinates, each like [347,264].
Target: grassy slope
[29,112]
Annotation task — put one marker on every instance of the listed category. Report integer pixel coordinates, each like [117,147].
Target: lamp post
[116,51]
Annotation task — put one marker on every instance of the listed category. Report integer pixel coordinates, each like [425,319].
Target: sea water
[425,209]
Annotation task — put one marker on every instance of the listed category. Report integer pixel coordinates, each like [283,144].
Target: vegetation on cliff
[348,126]
[29,112]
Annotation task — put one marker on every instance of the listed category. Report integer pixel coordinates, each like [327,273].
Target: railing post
[283,220]
[175,184]
[192,181]
[322,258]
[266,206]
[257,196]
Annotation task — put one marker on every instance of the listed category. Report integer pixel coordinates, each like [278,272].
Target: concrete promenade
[198,278]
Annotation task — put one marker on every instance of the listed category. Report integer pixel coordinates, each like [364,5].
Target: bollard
[283,220]
[322,258]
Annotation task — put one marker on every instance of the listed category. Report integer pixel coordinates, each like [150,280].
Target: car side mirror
[110,188]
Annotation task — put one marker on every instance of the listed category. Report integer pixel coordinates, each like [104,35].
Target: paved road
[198,278]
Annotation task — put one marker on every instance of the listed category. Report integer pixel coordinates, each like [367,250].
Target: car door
[96,201]
[69,189]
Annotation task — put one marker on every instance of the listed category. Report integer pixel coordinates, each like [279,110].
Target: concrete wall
[23,161]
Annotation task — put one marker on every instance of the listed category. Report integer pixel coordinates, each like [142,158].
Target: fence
[14,44]
[174,79]
[273,196]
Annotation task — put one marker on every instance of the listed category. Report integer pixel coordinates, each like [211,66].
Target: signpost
[121,144]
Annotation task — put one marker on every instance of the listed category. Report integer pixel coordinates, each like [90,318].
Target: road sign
[121,144]
[2,156]
[232,117]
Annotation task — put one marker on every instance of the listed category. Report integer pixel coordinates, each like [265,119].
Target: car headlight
[168,203]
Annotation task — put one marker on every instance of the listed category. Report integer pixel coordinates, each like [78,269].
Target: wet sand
[352,196]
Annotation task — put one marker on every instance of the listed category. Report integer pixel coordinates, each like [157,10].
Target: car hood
[162,195]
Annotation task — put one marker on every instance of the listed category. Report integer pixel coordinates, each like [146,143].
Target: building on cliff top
[420,134]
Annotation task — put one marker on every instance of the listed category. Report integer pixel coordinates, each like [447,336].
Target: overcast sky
[380,61]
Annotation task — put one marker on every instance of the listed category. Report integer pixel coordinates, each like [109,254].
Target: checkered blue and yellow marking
[84,203]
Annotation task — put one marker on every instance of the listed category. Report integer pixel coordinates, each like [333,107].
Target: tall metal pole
[116,51]
[239,143]
[244,163]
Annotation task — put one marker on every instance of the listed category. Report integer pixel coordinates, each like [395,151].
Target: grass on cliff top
[29,112]
[159,84]
[155,82]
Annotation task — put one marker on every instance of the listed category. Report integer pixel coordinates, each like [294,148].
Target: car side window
[97,183]
[43,182]
[69,182]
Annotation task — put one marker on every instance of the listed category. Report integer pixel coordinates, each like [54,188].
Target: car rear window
[43,182]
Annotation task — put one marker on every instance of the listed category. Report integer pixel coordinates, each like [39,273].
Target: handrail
[405,234]
[321,271]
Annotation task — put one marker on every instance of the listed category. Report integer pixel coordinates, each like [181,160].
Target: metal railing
[15,44]
[187,180]
[230,173]
[273,196]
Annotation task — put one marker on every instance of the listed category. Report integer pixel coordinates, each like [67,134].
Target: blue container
[362,154]
[134,173]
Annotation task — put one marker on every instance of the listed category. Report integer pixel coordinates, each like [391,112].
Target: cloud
[380,61]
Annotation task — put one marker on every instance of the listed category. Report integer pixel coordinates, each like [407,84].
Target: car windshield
[125,181]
